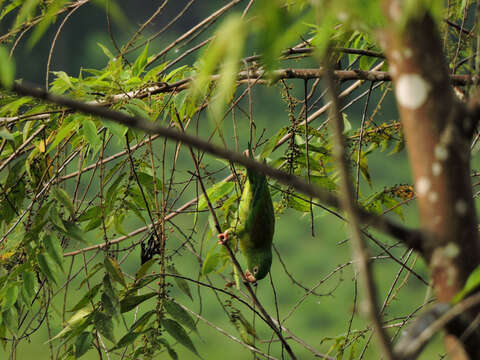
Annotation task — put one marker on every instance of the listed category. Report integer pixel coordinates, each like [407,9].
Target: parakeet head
[258,264]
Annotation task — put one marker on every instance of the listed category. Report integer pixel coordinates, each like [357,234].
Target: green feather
[255,224]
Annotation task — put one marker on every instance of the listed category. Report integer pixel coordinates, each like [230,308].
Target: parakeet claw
[249,276]
[223,237]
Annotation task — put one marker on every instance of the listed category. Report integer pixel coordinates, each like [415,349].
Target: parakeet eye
[255,269]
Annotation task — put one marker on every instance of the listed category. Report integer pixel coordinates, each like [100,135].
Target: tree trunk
[438,132]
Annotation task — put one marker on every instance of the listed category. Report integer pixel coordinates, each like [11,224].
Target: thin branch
[421,339]
[347,200]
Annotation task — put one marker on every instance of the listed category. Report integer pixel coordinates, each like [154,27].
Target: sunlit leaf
[7,69]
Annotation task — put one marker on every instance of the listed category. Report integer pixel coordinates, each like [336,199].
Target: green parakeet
[254,226]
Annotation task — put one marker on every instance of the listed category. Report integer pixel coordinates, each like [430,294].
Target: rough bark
[438,132]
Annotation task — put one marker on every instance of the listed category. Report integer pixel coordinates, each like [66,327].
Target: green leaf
[66,129]
[346,124]
[181,283]
[114,270]
[364,170]
[179,334]
[117,130]
[47,266]
[126,339]
[272,142]
[180,314]
[7,135]
[89,130]
[77,321]
[106,51]
[83,343]
[29,286]
[62,83]
[144,268]
[109,306]
[74,232]
[91,213]
[8,319]
[109,289]
[298,203]
[104,325]
[112,192]
[137,108]
[211,261]
[7,68]
[215,193]
[11,296]
[471,284]
[49,18]
[131,302]
[140,62]
[142,321]
[57,220]
[324,182]
[170,350]
[62,196]
[54,249]
[11,108]
[87,298]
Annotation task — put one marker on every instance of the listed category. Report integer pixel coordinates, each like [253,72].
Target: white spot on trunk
[441,152]
[451,250]
[422,186]
[395,11]
[407,53]
[461,207]
[432,196]
[396,55]
[393,70]
[412,91]
[436,169]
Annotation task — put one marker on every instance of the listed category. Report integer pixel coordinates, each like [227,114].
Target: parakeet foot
[249,276]
[223,237]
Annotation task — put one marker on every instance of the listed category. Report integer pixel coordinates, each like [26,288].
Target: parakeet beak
[249,276]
